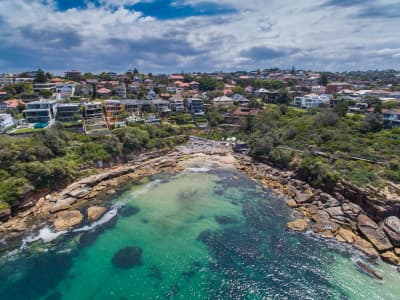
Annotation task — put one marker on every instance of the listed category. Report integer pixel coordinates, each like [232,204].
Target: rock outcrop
[67,219]
[391,258]
[391,226]
[373,233]
[298,225]
[95,212]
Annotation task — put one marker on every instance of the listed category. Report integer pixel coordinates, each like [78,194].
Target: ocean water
[201,234]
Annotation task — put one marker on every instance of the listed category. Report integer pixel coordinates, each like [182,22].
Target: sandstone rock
[327,235]
[95,212]
[366,247]
[67,219]
[397,251]
[302,198]
[373,233]
[391,226]
[340,239]
[335,211]
[347,235]
[291,203]
[324,225]
[62,204]
[79,192]
[328,200]
[111,192]
[391,258]
[351,210]
[298,225]
[40,202]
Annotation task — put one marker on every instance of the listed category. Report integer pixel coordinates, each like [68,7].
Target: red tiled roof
[103,91]
[13,103]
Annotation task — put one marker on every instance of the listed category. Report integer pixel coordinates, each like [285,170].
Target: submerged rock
[128,211]
[95,212]
[127,258]
[298,225]
[363,267]
[224,220]
[67,219]
[373,233]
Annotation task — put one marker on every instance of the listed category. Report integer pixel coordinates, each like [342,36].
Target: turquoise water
[202,235]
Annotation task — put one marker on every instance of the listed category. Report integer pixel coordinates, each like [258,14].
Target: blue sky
[195,35]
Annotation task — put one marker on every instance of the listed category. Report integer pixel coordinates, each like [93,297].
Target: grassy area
[26,131]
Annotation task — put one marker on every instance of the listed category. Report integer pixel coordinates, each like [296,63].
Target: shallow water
[203,235]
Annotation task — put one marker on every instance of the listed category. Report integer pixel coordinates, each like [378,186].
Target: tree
[372,123]
[323,80]
[341,108]
[215,118]
[40,76]
[45,93]
[208,84]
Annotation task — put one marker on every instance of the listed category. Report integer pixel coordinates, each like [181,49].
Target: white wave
[107,217]
[198,170]
[47,235]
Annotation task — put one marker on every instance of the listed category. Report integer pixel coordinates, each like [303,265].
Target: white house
[223,101]
[65,90]
[311,100]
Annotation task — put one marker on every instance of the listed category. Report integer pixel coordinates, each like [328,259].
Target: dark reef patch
[127,258]
[225,220]
[128,211]
[54,296]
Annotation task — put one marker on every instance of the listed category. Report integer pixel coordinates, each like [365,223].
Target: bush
[318,173]
[281,157]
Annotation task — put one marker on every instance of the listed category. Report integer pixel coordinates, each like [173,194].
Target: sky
[170,36]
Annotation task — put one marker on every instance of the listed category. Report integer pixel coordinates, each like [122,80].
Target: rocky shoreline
[349,215]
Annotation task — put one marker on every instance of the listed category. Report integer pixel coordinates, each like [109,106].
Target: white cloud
[112,37]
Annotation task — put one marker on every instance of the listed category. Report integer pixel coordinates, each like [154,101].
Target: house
[120,90]
[223,101]
[74,75]
[67,112]
[151,95]
[391,117]
[6,121]
[241,99]
[181,84]
[113,110]
[103,93]
[241,115]
[359,107]
[318,89]
[94,122]
[195,106]
[3,95]
[177,105]
[23,80]
[65,90]
[176,78]
[37,87]
[14,103]
[171,89]
[311,100]
[194,85]
[161,105]
[261,92]
[40,112]
[335,87]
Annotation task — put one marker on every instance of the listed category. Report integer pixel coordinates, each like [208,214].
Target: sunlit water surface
[202,235]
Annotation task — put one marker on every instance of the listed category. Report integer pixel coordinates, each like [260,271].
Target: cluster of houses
[162,94]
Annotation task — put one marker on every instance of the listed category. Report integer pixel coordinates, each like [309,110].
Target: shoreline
[328,217]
